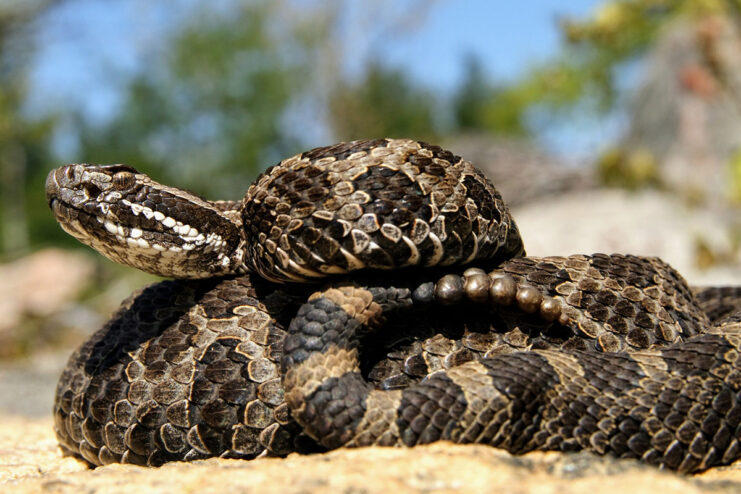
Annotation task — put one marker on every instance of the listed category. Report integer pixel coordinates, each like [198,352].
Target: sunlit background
[608,125]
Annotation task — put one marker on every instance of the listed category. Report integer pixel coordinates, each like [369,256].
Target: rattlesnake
[194,372]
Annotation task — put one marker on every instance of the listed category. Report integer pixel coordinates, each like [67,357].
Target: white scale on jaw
[191,237]
[168,255]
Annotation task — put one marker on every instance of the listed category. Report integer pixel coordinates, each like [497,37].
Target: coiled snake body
[615,354]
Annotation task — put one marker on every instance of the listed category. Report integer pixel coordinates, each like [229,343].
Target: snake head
[133,220]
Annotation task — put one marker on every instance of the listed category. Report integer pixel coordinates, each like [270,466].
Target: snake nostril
[92,190]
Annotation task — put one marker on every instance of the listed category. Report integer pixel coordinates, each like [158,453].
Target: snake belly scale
[615,354]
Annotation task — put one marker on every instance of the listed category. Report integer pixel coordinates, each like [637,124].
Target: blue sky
[90,47]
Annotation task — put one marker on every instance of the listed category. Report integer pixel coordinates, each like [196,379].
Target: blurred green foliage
[24,142]
[734,182]
[630,169]
[383,103]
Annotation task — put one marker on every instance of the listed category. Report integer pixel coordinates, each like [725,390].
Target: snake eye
[123,180]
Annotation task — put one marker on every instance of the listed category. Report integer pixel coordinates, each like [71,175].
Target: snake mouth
[156,252]
[166,234]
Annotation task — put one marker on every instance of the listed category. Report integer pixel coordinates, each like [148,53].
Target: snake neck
[133,220]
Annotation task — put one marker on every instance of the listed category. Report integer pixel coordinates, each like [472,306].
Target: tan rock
[28,450]
[41,284]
